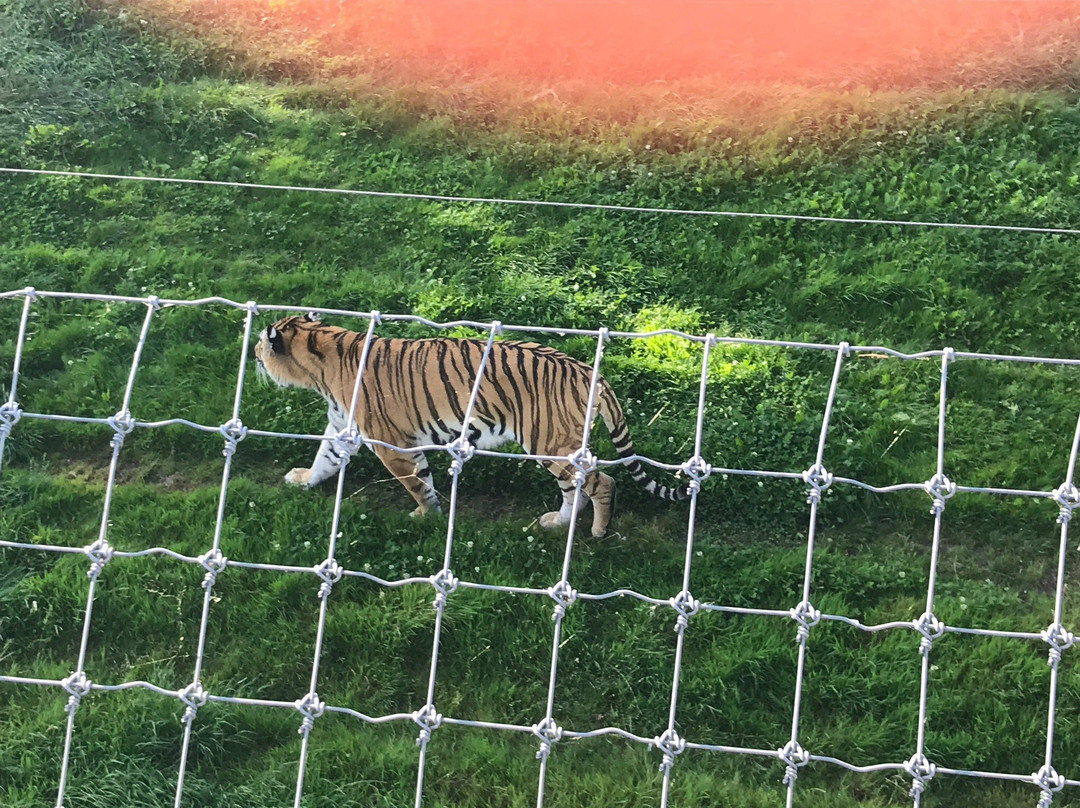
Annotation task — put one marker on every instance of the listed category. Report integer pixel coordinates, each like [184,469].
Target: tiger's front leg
[327,462]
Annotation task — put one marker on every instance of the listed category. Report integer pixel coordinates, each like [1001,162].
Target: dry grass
[750,66]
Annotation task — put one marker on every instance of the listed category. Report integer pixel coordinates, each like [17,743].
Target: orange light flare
[876,43]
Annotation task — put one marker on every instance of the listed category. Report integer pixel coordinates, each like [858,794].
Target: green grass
[860,701]
[90,92]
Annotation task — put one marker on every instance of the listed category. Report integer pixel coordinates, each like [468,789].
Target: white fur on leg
[561,517]
[326,463]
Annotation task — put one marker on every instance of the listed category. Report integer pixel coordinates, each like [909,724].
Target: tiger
[415,392]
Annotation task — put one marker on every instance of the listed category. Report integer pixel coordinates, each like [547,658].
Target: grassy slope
[93,95]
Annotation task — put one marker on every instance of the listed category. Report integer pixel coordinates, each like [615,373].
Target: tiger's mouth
[262,374]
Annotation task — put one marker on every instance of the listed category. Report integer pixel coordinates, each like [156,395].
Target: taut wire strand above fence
[538,203]
[789,752]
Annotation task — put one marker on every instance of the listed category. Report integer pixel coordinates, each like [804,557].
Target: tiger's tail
[612,413]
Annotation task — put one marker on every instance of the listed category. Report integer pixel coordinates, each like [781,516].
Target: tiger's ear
[277,342]
[312,317]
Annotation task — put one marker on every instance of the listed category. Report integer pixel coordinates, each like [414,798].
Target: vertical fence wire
[461,450]
[564,595]
[697,470]
[819,479]
[10,412]
[77,684]
[194,696]
[347,441]
[1056,635]
[940,488]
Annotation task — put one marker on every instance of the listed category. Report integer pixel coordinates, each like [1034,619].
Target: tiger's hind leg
[411,470]
[598,487]
[601,490]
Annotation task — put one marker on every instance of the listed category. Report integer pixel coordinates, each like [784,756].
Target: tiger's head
[287,352]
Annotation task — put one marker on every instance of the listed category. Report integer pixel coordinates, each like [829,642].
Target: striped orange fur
[414,392]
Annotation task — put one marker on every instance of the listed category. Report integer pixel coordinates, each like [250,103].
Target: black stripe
[354,348]
[414,353]
[312,342]
[515,402]
[446,363]
[422,352]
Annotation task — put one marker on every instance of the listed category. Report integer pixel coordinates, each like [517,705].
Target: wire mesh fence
[790,753]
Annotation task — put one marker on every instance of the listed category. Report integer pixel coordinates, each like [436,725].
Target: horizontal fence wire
[538,203]
[791,755]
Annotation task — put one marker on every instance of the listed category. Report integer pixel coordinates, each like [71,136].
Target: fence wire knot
[941,488]
[233,431]
[584,463]
[122,424]
[564,596]
[10,413]
[1050,782]
[330,572]
[807,617]
[697,471]
[445,583]
[347,443]
[428,720]
[311,708]
[77,686]
[795,757]
[461,451]
[687,606]
[671,745]
[213,562]
[1068,498]
[931,628]
[1059,641]
[193,697]
[922,771]
[100,553]
[819,479]
[549,733]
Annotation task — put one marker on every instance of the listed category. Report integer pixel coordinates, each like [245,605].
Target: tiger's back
[528,393]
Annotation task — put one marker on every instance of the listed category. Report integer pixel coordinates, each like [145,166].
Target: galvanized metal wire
[790,754]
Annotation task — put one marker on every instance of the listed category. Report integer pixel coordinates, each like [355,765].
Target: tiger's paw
[553,519]
[298,477]
[423,510]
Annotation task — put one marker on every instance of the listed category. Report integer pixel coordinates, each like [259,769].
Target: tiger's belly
[480,434]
